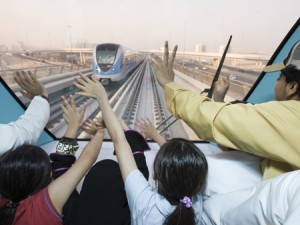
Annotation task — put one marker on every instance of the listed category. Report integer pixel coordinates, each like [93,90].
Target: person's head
[287,86]
[180,170]
[23,172]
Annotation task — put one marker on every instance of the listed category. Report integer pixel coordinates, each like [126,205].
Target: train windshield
[106,54]
[119,45]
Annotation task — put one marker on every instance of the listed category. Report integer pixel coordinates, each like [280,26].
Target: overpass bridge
[82,55]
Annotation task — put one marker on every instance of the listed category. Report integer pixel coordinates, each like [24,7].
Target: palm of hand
[165,74]
[164,68]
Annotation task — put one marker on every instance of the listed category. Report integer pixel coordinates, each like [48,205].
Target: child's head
[180,170]
[23,172]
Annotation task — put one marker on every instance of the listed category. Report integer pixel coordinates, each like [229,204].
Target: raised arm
[28,128]
[148,129]
[62,187]
[94,89]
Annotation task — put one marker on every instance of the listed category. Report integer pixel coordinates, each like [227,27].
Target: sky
[256,25]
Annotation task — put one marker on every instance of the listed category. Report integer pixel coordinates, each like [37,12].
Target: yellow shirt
[269,130]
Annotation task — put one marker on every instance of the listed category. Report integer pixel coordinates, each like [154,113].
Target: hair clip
[187,201]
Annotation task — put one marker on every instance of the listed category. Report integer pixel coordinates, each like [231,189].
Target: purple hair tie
[187,201]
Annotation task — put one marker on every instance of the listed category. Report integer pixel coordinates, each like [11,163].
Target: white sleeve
[138,192]
[275,201]
[28,128]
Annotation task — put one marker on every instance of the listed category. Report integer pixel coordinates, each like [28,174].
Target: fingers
[30,76]
[144,123]
[80,83]
[25,94]
[30,84]
[83,109]
[89,87]
[98,120]
[65,107]
[85,78]
[93,126]
[173,55]
[65,103]
[22,79]
[166,54]
[72,102]
[89,126]
[227,79]
[148,121]
[101,123]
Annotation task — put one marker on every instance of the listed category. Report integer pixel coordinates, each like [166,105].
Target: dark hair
[180,169]
[23,172]
[292,73]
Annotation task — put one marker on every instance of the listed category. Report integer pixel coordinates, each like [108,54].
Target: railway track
[137,97]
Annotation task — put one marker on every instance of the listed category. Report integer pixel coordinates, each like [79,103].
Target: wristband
[67,146]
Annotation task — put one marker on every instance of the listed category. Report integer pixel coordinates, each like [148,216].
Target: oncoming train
[112,62]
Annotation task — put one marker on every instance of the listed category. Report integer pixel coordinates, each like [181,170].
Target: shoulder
[38,207]
[139,192]
[136,181]
[146,205]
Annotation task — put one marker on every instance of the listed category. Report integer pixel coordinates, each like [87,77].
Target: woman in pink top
[28,195]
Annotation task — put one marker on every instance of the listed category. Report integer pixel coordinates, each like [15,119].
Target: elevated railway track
[136,97]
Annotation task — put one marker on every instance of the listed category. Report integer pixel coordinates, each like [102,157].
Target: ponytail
[182,215]
[7,213]
[180,171]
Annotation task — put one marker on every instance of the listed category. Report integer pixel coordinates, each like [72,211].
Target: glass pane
[58,40]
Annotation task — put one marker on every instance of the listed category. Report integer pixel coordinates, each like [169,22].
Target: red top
[36,210]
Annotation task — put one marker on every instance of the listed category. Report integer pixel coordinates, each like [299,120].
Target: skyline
[256,26]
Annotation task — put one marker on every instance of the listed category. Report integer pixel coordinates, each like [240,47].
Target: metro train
[112,62]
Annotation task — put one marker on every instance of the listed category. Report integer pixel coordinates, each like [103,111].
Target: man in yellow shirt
[268,130]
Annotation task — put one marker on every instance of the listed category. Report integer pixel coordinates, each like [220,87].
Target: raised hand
[164,68]
[90,87]
[72,116]
[221,87]
[92,126]
[146,127]
[32,87]
[148,130]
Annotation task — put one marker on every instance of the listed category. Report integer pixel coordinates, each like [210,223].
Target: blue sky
[256,25]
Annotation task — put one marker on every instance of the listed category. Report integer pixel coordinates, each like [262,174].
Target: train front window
[106,54]
[106,57]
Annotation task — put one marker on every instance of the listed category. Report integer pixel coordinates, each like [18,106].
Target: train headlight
[113,69]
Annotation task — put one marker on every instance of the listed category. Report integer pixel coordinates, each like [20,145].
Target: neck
[294,97]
